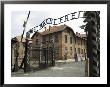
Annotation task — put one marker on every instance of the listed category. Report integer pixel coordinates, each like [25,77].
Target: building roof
[57,29]
[36,33]
[53,30]
[83,35]
[18,39]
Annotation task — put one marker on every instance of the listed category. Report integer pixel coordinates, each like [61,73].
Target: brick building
[18,47]
[66,42]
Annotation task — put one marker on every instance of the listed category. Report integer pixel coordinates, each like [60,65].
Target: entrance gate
[42,57]
[45,55]
[36,58]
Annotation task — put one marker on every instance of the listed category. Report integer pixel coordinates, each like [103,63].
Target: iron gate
[36,58]
[42,56]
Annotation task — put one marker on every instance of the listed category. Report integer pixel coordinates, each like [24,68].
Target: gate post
[26,57]
[92,49]
[47,53]
[40,52]
[53,54]
[53,57]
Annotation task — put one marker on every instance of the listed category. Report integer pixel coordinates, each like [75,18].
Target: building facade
[18,47]
[66,42]
[80,45]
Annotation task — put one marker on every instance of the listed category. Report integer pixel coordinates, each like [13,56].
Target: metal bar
[26,57]
[24,25]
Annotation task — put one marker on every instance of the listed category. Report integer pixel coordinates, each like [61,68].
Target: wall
[21,49]
[81,46]
[68,45]
[35,53]
[58,45]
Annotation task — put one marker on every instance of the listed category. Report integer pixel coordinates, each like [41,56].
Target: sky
[36,17]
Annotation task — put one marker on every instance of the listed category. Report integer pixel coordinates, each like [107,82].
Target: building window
[75,49]
[23,44]
[36,41]
[70,50]
[56,37]
[44,39]
[78,41]
[75,40]
[84,42]
[65,50]
[81,41]
[15,51]
[82,51]
[65,53]
[57,50]
[78,50]
[65,38]
[50,37]
[70,40]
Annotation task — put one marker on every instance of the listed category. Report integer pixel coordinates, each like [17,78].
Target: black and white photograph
[55,43]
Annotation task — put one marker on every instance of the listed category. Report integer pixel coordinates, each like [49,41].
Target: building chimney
[79,34]
[45,28]
[49,27]
[76,33]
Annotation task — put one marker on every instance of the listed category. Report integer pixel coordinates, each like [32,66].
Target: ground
[61,69]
